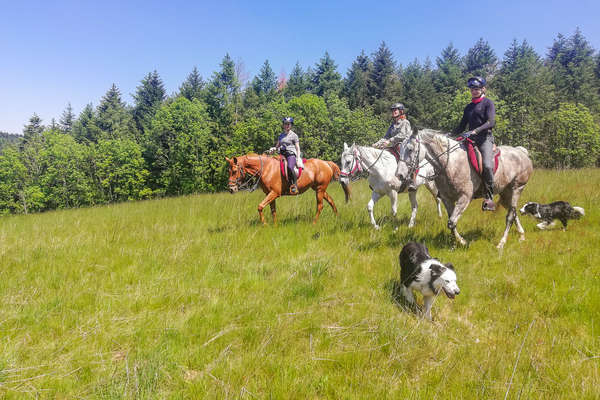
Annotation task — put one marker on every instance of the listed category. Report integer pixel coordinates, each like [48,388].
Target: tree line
[172,145]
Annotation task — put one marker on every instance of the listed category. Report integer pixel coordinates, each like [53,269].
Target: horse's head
[410,156]
[350,163]
[236,174]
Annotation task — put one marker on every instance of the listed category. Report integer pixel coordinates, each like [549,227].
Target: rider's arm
[298,150]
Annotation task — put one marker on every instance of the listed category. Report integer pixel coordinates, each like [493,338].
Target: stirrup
[293,189]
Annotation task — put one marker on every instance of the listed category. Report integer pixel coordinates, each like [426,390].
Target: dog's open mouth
[450,295]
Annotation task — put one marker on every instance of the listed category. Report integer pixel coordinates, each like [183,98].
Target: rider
[398,130]
[289,146]
[480,114]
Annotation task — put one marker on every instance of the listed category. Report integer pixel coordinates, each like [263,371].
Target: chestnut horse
[252,170]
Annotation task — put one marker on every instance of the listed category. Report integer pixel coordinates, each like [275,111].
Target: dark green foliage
[325,77]
[113,118]
[193,86]
[297,83]
[356,84]
[67,119]
[480,60]
[148,98]
[173,146]
[384,84]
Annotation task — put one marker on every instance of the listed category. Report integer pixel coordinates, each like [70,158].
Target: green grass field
[191,298]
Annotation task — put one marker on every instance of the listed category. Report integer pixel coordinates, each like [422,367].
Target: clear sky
[56,52]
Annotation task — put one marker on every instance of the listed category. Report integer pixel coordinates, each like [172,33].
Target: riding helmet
[288,120]
[397,106]
[476,82]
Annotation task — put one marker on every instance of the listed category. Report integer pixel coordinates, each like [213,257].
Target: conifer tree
[223,94]
[297,83]
[356,84]
[265,83]
[481,60]
[85,129]
[192,87]
[382,76]
[33,130]
[325,77]
[67,119]
[148,98]
[449,71]
[112,116]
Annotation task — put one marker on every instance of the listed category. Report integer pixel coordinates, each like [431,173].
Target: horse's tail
[336,176]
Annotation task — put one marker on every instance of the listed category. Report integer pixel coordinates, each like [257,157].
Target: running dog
[420,272]
[548,213]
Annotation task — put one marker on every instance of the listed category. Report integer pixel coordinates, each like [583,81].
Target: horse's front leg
[374,199]
[267,200]
[412,195]
[459,208]
[430,185]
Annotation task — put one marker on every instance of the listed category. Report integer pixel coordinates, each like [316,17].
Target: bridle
[246,180]
[414,164]
[356,167]
[356,158]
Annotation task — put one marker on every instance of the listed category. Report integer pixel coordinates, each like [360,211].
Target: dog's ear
[437,268]
[449,266]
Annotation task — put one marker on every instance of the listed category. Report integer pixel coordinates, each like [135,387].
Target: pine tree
[481,60]
[193,86]
[148,98]
[326,78]
[266,82]
[33,130]
[382,76]
[112,116]
[297,83]
[356,84]
[419,94]
[223,94]
[67,119]
[572,65]
[448,76]
[85,129]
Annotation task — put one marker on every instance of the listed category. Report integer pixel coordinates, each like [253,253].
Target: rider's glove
[299,163]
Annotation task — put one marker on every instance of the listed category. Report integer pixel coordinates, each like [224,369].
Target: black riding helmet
[476,82]
[288,120]
[397,106]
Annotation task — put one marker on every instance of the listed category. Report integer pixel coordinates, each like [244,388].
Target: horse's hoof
[522,239]
[411,225]
[500,246]
[377,227]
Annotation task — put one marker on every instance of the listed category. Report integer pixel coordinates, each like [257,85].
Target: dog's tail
[577,212]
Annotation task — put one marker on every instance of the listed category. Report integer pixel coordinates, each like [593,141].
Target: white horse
[381,166]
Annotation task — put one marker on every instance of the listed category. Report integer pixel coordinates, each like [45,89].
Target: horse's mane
[435,137]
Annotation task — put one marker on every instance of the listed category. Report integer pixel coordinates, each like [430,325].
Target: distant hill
[7,138]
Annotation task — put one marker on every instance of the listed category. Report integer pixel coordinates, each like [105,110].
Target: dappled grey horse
[458,183]
[381,166]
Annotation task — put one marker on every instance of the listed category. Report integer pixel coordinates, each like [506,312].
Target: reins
[251,183]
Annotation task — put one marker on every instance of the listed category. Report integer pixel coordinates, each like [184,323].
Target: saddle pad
[474,156]
[283,167]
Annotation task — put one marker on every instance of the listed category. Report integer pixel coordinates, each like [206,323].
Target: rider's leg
[291,160]
[487,158]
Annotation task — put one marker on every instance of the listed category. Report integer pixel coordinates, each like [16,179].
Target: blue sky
[56,52]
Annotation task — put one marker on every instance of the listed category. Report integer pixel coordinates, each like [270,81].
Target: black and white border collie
[420,272]
[548,213]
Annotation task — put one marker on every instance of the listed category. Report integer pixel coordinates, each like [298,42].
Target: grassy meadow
[191,298]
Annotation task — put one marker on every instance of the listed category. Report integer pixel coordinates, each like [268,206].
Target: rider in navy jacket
[480,115]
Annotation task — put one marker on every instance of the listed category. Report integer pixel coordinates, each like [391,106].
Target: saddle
[474,156]
[395,150]
[284,168]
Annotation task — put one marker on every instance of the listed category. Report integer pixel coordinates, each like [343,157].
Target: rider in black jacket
[480,115]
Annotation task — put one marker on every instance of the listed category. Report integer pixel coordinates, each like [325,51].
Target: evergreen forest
[169,145]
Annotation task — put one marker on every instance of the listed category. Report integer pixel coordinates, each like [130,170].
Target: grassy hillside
[191,298]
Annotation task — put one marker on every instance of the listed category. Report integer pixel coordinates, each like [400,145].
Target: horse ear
[345,146]
[235,160]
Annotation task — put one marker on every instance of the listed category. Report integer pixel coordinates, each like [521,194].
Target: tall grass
[191,298]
